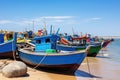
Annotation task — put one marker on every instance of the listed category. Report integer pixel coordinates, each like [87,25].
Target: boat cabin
[45,42]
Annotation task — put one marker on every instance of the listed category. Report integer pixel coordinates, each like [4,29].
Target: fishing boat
[106,43]
[45,54]
[7,48]
[93,51]
[22,38]
[66,45]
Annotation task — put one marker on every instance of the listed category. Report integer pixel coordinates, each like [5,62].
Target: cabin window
[38,41]
[47,40]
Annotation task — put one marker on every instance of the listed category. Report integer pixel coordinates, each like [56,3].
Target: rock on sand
[15,69]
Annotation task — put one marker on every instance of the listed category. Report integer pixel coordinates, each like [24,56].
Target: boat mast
[73,31]
[44,24]
[51,29]
[45,31]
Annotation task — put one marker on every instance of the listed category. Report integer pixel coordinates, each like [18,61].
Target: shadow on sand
[85,74]
[55,71]
[77,73]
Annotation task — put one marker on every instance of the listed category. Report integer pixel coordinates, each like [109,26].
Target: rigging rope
[87,51]
[88,65]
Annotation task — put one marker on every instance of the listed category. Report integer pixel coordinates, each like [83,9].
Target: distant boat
[23,40]
[23,37]
[93,51]
[69,46]
[106,42]
[7,48]
[46,55]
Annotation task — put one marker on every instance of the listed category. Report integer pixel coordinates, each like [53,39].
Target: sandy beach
[99,68]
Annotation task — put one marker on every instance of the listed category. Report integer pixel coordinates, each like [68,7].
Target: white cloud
[39,21]
[95,18]
[49,20]
[56,21]
[57,17]
[59,21]
[90,20]
[5,21]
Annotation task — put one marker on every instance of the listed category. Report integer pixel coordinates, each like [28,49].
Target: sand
[99,68]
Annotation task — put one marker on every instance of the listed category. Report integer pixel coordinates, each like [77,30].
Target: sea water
[114,50]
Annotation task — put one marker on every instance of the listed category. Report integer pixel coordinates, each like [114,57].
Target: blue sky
[97,17]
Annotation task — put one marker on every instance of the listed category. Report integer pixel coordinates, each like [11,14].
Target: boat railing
[6,42]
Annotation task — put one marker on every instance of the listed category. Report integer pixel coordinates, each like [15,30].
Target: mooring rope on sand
[87,51]
[88,65]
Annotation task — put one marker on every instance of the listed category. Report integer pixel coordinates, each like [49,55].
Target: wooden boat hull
[59,61]
[106,43]
[7,49]
[94,49]
[7,54]
[69,48]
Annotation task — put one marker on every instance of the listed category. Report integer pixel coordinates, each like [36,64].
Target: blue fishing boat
[7,48]
[45,54]
[93,50]
[65,45]
[62,47]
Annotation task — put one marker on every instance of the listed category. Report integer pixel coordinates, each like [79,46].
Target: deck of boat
[30,51]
